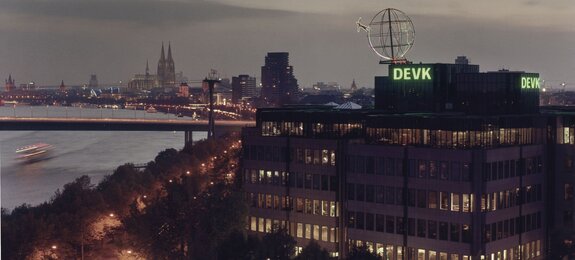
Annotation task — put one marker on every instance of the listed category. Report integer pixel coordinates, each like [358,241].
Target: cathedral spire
[162,56]
[147,68]
[170,51]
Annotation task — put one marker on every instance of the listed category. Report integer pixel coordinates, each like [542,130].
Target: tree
[313,252]
[361,253]
[277,245]
[238,246]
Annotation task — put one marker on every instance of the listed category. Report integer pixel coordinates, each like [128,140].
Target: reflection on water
[75,153]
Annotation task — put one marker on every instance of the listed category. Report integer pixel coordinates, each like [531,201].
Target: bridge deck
[114,124]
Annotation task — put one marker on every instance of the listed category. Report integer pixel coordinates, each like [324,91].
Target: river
[75,153]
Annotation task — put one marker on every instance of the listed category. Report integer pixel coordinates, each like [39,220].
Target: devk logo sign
[411,73]
[529,82]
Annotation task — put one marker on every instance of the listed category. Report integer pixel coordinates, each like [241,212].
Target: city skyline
[71,40]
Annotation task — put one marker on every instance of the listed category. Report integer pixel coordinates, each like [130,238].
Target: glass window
[455,171]
[351,191]
[316,181]
[455,232]
[421,228]
[360,192]
[444,170]
[369,219]
[308,156]
[379,223]
[308,178]
[253,224]
[332,237]
[332,157]
[360,220]
[324,182]
[432,199]
[568,191]
[432,229]
[390,195]
[444,200]
[421,199]
[324,157]
[308,231]
[443,230]
[299,205]
[332,209]
[390,224]
[454,202]
[308,206]
[317,207]
[369,193]
[432,169]
[421,254]
[466,202]
[316,232]
[299,177]
[351,219]
[400,227]
[324,233]
[325,208]
[299,230]
[379,192]
[432,255]
[422,169]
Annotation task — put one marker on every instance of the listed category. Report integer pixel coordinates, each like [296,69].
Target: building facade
[435,178]
[279,86]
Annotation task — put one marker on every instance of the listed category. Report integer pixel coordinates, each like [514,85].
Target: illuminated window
[308,206]
[308,231]
[332,209]
[332,157]
[421,254]
[299,204]
[324,157]
[444,200]
[466,202]
[317,207]
[268,225]
[332,237]
[253,224]
[268,201]
[454,202]
[324,233]
[261,224]
[299,232]
[432,255]
[316,232]
[308,156]
[442,256]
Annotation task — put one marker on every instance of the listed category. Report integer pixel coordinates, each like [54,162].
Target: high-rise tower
[279,86]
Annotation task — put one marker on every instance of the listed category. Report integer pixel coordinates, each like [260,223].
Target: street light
[111,214]
[54,247]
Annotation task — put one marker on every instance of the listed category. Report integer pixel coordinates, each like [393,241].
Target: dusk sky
[51,40]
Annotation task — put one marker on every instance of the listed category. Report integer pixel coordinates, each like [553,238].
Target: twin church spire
[166,69]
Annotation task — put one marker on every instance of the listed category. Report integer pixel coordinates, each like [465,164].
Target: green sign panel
[411,73]
[529,82]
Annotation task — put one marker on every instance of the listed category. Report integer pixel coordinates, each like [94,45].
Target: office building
[452,163]
[243,86]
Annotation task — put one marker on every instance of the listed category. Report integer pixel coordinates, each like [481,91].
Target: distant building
[353,86]
[29,86]
[243,86]
[279,86]
[461,60]
[10,84]
[145,81]
[166,69]
[93,81]
[184,90]
[62,86]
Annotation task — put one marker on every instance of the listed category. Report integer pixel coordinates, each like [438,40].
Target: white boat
[34,152]
[151,109]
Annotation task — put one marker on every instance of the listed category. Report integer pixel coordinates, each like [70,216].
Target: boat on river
[34,152]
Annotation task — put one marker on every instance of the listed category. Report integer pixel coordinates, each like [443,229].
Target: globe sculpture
[390,34]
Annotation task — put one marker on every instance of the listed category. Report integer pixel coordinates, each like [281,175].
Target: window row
[392,252]
[296,229]
[264,153]
[315,156]
[458,202]
[510,227]
[414,227]
[511,168]
[299,180]
[271,128]
[511,198]
[529,250]
[424,169]
[302,205]
[456,139]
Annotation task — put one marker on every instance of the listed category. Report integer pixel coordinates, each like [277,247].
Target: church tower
[161,75]
[10,84]
[170,68]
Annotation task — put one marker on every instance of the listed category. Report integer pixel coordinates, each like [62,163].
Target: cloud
[144,12]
